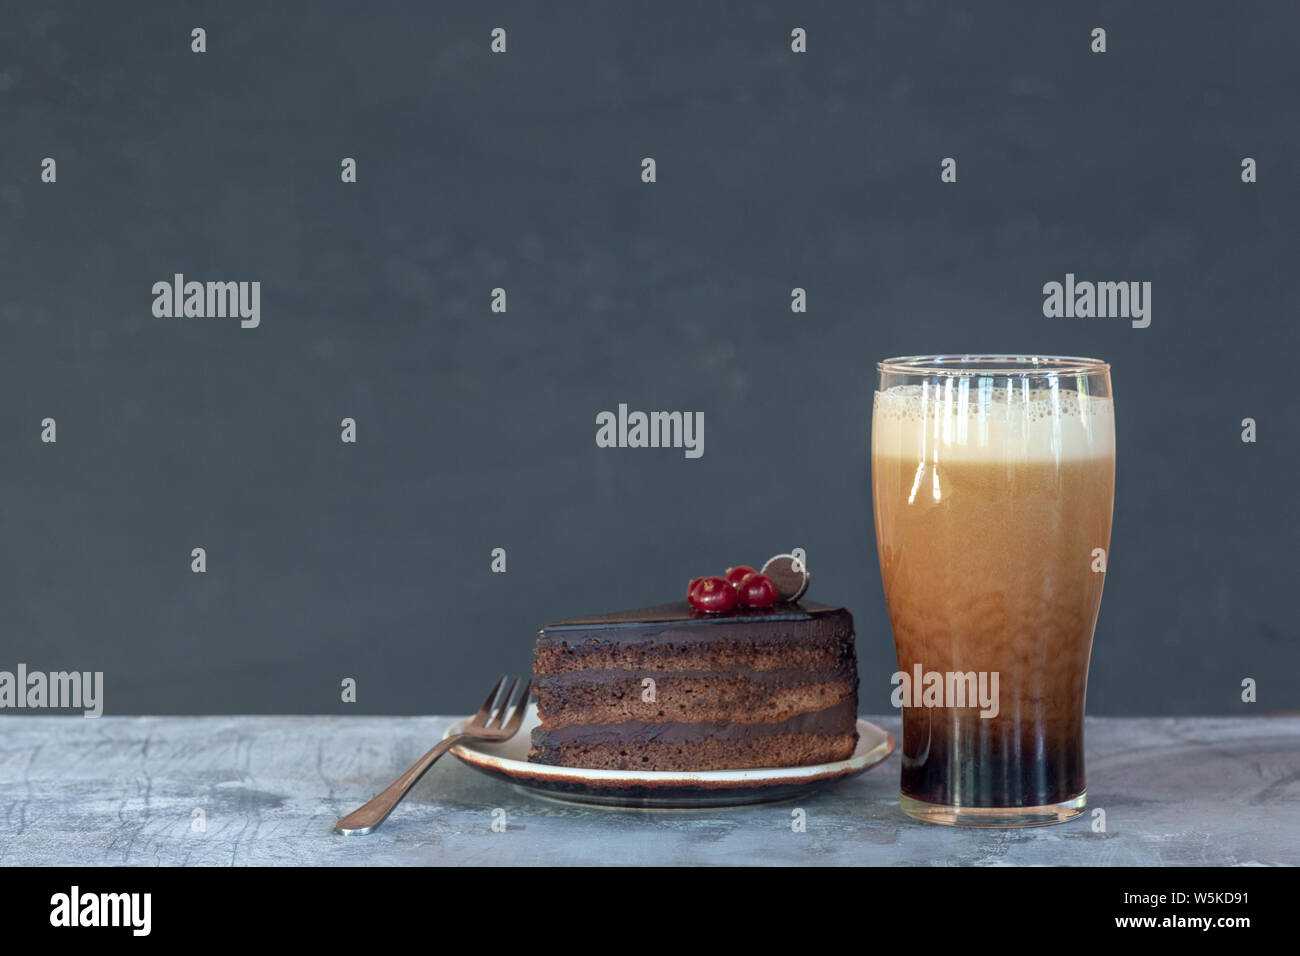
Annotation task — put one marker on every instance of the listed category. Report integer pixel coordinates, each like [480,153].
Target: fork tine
[483,711]
[496,722]
[521,706]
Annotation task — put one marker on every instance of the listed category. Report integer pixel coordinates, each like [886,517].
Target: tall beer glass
[993,478]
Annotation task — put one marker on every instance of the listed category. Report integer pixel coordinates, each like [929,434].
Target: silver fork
[490,723]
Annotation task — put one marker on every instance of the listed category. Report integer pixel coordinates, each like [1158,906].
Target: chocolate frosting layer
[671,622]
[782,677]
[837,719]
[682,611]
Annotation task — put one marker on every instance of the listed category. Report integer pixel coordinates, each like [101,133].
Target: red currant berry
[757,590]
[736,575]
[713,595]
[690,589]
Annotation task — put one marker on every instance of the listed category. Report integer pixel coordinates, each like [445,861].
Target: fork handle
[364,819]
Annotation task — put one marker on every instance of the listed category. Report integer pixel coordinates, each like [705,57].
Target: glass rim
[976,364]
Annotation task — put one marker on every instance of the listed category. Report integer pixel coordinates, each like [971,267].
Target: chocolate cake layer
[788,750]
[745,696]
[808,738]
[675,637]
[831,720]
[686,654]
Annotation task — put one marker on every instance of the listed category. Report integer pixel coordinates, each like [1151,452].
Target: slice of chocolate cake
[674,688]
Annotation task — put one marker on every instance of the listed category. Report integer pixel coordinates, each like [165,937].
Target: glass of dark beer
[993,480]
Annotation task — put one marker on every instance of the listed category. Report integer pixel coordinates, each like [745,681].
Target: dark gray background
[477,430]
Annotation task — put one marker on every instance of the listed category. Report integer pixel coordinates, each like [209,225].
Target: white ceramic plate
[663,789]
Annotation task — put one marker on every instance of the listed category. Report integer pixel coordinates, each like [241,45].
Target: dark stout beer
[993,513]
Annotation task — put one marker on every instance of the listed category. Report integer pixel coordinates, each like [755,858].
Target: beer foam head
[972,421]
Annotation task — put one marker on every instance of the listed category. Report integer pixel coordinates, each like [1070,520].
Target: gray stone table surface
[127,790]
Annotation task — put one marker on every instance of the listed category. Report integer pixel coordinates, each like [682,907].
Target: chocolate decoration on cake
[790,575]
[672,687]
